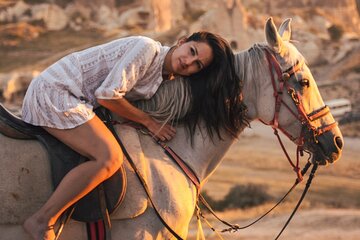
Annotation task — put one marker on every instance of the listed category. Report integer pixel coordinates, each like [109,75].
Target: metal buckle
[285,76]
[293,95]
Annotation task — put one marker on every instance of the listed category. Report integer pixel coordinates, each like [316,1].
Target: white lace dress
[64,95]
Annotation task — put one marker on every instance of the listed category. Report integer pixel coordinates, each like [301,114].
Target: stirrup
[64,218]
[57,233]
[51,227]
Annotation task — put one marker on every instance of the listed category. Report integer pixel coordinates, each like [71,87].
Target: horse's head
[289,100]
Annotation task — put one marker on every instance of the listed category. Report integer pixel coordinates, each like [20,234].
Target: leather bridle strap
[278,94]
[319,114]
[301,115]
[183,166]
[296,166]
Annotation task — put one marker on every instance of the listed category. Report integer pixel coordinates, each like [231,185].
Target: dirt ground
[330,211]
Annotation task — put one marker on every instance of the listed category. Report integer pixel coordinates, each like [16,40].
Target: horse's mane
[170,102]
[248,61]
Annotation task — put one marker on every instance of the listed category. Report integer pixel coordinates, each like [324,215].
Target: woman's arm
[124,109]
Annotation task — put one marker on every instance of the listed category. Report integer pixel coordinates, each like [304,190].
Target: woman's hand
[164,133]
[126,110]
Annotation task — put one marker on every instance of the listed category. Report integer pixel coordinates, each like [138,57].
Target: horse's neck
[205,154]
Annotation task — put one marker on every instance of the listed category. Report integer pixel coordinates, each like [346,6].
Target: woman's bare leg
[93,140]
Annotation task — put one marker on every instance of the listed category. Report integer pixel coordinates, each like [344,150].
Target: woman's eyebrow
[196,51]
[197,54]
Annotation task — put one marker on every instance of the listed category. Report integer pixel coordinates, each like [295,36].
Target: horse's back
[24,177]
[26,184]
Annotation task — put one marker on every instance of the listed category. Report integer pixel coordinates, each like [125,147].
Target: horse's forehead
[290,55]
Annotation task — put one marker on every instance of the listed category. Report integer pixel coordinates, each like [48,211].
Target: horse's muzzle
[329,147]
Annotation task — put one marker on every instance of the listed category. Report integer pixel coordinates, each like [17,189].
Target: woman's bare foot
[39,230]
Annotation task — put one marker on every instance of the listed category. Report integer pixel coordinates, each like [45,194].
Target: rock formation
[328,31]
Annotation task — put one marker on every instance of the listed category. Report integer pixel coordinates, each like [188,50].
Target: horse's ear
[285,30]
[272,36]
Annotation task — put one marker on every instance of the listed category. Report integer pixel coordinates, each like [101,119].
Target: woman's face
[190,57]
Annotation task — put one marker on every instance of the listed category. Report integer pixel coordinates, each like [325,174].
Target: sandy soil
[330,211]
[312,224]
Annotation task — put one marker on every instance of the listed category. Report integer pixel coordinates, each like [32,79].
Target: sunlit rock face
[167,14]
[344,13]
[233,19]
[327,31]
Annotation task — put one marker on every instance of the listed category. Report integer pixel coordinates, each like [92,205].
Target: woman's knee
[110,161]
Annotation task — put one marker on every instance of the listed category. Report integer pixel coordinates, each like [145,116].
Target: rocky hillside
[35,33]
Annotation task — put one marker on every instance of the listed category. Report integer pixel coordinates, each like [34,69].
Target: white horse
[25,175]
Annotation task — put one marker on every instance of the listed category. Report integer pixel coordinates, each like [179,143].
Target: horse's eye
[304,83]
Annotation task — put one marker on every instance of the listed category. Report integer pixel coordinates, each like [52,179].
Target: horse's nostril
[339,142]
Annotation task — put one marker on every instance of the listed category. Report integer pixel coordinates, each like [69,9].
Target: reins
[308,183]
[182,165]
[195,180]
[303,172]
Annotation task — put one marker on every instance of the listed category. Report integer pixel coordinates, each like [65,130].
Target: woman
[62,98]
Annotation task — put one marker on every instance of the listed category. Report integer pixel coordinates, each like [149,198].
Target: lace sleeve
[128,70]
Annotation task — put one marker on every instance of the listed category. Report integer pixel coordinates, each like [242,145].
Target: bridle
[310,132]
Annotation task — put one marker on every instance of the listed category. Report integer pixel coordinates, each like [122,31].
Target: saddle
[97,204]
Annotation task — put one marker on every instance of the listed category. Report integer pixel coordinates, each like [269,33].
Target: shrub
[250,195]
[36,1]
[240,196]
[335,32]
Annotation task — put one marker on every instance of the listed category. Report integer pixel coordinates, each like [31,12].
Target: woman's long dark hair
[216,91]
